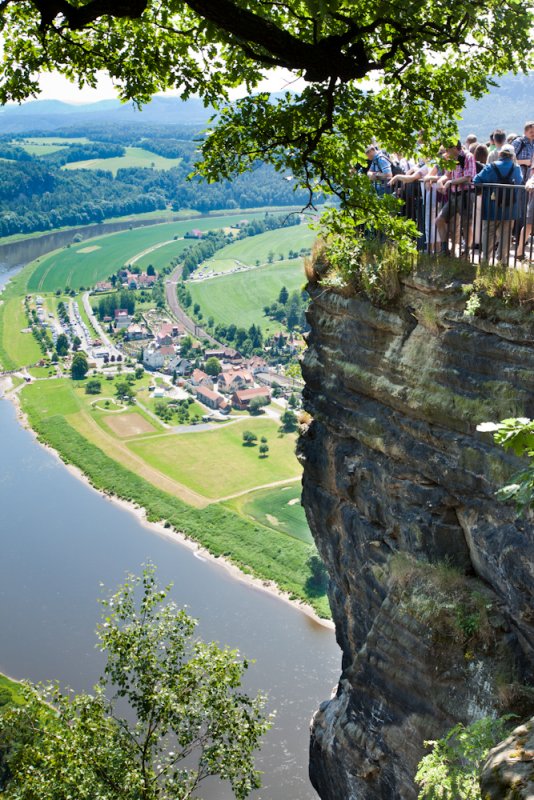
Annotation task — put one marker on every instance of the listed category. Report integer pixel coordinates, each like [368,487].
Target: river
[59,539]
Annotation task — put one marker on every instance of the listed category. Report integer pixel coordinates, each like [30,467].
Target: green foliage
[421,60]
[517,435]
[167,714]
[79,367]
[451,771]
[257,404]
[249,439]
[263,450]
[289,421]
[93,386]
[124,391]
[62,345]
[318,580]
[213,366]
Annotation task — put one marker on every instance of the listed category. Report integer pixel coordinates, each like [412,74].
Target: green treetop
[167,714]
[370,69]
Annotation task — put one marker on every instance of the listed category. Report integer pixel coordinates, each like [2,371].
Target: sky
[57,87]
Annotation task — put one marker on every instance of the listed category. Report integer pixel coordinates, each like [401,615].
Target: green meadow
[134,157]
[85,263]
[216,464]
[278,508]
[240,298]
[255,250]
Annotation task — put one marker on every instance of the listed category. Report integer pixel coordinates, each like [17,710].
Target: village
[218,377]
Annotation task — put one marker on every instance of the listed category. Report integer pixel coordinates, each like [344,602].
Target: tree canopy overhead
[421,56]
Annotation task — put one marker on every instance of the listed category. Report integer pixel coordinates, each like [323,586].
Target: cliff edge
[431,578]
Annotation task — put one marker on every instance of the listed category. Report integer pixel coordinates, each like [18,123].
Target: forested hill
[71,165]
[84,180]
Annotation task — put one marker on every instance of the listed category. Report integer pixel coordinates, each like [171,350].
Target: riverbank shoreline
[170,533]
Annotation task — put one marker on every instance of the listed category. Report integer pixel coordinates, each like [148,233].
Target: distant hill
[508,106]
[52,115]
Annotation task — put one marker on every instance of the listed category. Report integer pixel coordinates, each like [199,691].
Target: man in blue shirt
[499,203]
[380,171]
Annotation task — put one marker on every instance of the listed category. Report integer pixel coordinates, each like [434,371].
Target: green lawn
[17,349]
[255,249]
[9,692]
[51,398]
[163,255]
[104,255]
[240,298]
[134,157]
[216,464]
[278,508]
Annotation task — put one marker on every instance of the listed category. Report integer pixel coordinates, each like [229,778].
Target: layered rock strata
[431,578]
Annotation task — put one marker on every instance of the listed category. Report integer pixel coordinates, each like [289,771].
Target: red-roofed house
[233,379]
[212,399]
[200,378]
[241,399]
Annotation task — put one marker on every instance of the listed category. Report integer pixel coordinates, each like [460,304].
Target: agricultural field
[201,460]
[17,349]
[255,250]
[163,255]
[47,145]
[85,263]
[277,508]
[240,298]
[134,157]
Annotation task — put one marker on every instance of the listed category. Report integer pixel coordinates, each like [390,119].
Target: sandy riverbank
[170,533]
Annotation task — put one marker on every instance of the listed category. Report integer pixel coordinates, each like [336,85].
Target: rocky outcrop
[508,773]
[431,577]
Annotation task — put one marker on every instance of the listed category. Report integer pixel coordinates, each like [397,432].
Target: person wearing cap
[457,213]
[379,168]
[499,203]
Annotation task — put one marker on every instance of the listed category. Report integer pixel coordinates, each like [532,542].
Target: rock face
[508,774]
[431,577]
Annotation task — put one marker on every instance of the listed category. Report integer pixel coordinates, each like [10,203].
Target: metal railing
[484,222]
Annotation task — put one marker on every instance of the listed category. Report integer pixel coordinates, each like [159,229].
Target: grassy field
[17,349]
[240,298]
[278,508]
[134,157]
[256,549]
[9,692]
[200,460]
[163,255]
[72,267]
[256,249]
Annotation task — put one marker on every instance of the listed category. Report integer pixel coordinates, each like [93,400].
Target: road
[113,351]
[177,311]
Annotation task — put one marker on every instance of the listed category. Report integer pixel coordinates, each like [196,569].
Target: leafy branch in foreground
[385,70]
[182,715]
[517,435]
[451,770]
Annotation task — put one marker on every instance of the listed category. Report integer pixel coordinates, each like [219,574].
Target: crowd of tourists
[484,203]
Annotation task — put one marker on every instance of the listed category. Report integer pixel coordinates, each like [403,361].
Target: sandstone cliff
[431,577]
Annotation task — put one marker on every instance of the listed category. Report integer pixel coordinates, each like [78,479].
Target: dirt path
[121,453]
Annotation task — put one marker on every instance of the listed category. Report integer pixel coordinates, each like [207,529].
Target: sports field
[241,297]
[256,249]
[216,464]
[134,157]
[70,267]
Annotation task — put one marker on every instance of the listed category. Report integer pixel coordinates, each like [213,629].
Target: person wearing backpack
[524,149]
[499,203]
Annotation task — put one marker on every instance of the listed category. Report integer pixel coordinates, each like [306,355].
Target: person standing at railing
[526,231]
[499,137]
[457,213]
[380,171]
[524,149]
[499,204]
